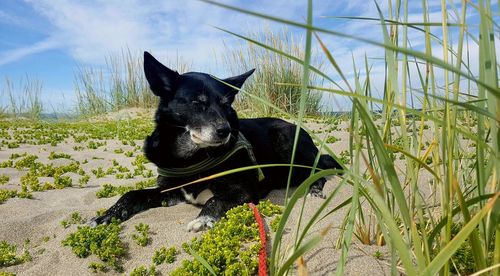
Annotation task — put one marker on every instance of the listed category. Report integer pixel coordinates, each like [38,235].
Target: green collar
[212,162]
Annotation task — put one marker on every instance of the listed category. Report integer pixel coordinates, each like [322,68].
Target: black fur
[195,119]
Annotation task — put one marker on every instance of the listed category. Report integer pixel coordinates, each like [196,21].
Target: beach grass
[424,232]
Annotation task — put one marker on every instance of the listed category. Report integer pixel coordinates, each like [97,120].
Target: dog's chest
[197,198]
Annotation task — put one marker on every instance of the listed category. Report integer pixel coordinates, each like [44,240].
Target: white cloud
[18,53]
[89,31]
[10,19]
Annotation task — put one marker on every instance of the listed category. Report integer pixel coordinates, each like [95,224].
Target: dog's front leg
[137,201]
[216,207]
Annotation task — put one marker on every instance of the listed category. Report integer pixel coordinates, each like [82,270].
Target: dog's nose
[223,132]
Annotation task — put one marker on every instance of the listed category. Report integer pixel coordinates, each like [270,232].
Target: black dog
[198,134]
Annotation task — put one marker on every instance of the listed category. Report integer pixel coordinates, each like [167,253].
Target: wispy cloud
[90,30]
[11,19]
[18,53]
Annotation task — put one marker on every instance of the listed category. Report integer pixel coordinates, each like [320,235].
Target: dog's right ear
[161,79]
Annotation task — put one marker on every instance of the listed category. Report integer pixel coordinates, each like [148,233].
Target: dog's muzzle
[210,136]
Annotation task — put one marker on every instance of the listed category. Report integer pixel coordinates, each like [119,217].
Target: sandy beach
[39,219]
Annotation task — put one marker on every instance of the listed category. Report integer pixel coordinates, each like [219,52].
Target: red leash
[263,241]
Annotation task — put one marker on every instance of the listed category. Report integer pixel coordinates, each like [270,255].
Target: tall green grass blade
[310,244]
[424,115]
[299,192]
[386,164]
[394,22]
[314,218]
[445,253]
[291,57]
[468,203]
[417,54]
[414,158]
[303,89]
[395,237]
[202,261]
[237,170]
[474,240]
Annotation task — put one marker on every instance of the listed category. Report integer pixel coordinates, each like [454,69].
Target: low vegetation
[9,255]
[142,236]
[231,246]
[102,241]
[164,255]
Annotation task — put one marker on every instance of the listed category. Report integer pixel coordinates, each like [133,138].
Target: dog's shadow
[278,196]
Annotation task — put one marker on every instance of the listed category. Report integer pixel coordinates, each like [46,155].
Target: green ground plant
[103,241]
[231,247]
[4,179]
[9,257]
[142,236]
[75,219]
[97,267]
[58,155]
[164,255]
[144,271]
[6,194]
[109,190]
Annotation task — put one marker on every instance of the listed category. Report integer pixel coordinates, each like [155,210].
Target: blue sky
[49,39]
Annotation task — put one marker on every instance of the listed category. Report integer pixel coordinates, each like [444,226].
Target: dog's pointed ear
[238,80]
[161,79]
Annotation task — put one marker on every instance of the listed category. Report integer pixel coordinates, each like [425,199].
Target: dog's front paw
[93,222]
[104,219]
[201,223]
[107,218]
[314,192]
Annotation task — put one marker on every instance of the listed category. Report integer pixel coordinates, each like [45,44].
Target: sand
[40,217]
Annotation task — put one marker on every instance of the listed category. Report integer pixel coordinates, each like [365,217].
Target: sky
[49,40]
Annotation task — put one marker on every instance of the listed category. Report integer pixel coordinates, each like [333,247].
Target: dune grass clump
[41,132]
[272,71]
[59,155]
[109,190]
[121,84]
[4,179]
[142,236]
[164,255]
[231,247]
[9,257]
[97,267]
[75,218]
[103,241]
[6,194]
[144,271]
[24,99]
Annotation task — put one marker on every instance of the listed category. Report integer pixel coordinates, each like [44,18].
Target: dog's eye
[199,104]
[224,101]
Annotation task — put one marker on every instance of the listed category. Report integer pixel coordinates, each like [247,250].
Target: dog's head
[197,103]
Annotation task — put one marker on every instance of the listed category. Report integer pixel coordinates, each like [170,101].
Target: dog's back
[272,140]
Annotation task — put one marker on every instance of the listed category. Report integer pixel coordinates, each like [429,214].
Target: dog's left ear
[162,80]
[238,80]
